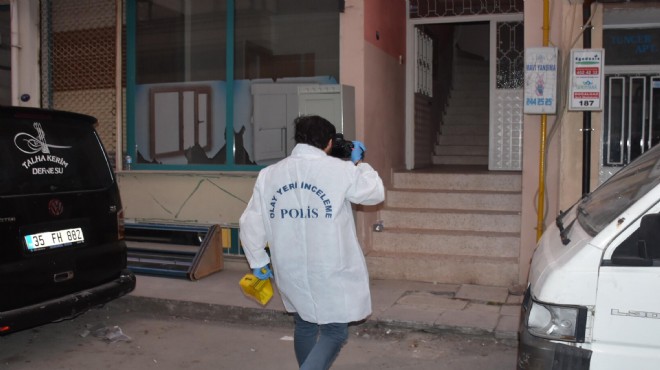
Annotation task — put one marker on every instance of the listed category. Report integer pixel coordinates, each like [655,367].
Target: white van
[593,299]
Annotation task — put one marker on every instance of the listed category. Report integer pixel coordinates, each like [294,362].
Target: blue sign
[638,46]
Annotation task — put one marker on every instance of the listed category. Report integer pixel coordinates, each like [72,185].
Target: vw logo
[55,207]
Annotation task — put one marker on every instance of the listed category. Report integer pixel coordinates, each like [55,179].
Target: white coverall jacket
[301,207]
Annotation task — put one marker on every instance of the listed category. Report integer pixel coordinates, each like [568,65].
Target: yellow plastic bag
[261,290]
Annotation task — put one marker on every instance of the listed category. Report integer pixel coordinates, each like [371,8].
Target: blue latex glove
[358,151]
[263,273]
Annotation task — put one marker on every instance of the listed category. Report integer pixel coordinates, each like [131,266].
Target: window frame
[231,86]
[131,146]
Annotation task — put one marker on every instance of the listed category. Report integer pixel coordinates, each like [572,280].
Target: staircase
[450,227]
[463,135]
[456,222]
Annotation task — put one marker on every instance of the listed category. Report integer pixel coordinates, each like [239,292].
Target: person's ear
[328,148]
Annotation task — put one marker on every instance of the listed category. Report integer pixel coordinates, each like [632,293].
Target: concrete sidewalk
[467,309]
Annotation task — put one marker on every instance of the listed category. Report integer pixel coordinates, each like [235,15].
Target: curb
[202,311]
[252,316]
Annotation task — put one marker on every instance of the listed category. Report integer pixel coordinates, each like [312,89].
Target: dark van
[61,220]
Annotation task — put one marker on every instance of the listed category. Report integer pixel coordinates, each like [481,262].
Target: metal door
[631,116]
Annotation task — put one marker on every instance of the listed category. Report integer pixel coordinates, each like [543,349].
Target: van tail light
[4,329]
[121,228]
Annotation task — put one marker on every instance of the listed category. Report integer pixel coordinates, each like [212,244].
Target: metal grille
[505,141]
[78,61]
[424,65]
[632,119]
[449,8]
[510,55]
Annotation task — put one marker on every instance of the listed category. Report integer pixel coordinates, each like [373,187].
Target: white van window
[623,189]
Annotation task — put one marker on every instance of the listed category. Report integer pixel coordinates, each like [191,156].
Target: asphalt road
[109,339]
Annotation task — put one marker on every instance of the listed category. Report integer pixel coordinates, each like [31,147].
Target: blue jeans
[317,346]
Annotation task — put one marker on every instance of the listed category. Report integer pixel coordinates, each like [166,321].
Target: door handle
[62,276]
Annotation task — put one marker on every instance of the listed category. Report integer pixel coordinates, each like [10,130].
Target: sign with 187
[586,84]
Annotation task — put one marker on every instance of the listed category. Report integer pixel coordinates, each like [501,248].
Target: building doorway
[471,111]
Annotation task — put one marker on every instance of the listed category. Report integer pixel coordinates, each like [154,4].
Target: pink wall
[385,25]
[374,68]
[384,91]
[384,103]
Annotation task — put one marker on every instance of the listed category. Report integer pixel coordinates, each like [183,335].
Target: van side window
[629,247]
[643,242]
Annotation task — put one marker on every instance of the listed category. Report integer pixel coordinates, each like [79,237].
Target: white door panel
[626,325]
[627,318]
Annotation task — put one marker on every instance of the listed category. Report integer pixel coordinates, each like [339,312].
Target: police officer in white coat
[301,209]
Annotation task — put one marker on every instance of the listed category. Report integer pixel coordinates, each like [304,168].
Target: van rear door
[58,207]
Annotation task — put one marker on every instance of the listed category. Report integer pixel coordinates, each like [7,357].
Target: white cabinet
[276,105]
[336,103]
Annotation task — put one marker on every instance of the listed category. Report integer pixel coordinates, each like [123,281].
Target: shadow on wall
[196,155]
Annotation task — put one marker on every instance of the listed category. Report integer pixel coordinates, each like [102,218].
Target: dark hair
[314,130]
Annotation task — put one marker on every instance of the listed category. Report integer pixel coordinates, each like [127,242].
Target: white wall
[25,56]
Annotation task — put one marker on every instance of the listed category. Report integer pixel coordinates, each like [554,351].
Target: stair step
[468,119]
[454,199]
[476,140]
[475,121]
[446,219]
[468,109]
[470,130]
[469,101]
[458,159]
[477,79]
[493,181]
[467,94]
[461,150]
[475,116]
[443,242]
[497,271]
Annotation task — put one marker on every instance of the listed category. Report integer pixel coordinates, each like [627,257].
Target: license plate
[54,239]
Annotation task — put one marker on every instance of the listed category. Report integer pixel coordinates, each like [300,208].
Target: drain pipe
[544,124]
[119,132]
[15,45]
[586,115]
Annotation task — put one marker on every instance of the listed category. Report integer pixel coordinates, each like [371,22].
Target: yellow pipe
[544,123]
[541,200]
